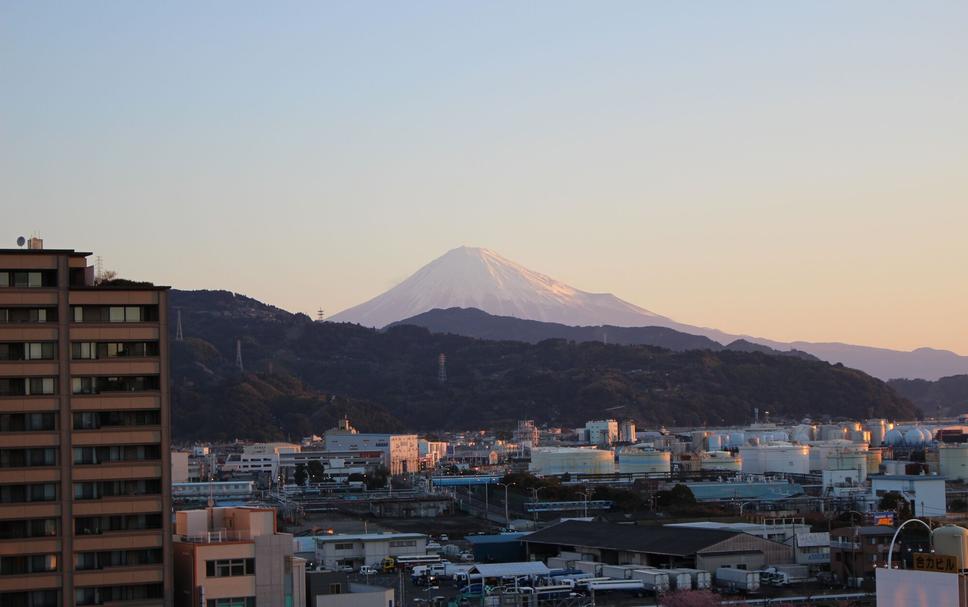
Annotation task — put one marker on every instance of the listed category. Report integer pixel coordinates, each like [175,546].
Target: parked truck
[737,579]
[618,572]
[680,579]
[701,579]
[589,567]
[652,579]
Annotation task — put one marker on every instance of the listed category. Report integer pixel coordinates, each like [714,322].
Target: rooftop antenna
[319,315]
[238,354]
[442,368]
[21,241]
[179,334]
[98,267]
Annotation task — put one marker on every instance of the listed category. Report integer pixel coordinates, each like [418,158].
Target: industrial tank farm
[635,460]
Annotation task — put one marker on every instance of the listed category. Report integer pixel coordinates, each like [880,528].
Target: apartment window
[101,489]
[28,279]
[28,458]
[28,315]
[96,525]
[335,588]
[93,420]
[31,598]
[87,561]
[28,422]
[116,453]
[28,351]
[122,349]
[27,386]
[230,567]
[113,314]
[33,563]
[19,494]
[109,594]
[347,546]
[124,383]
[242,601]
[23,529]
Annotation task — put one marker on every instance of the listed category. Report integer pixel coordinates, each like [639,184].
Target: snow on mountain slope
[470,277]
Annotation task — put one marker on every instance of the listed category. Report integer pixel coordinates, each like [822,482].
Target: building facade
[84,435]
[400,453]
[234,557]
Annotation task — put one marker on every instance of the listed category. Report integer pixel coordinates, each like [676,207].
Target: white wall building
[547,461]
[400,451]
[926,492]
[259,458]
[333,551]
[602,432]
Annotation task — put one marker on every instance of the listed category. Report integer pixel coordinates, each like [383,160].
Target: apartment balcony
[18,404]
[117,471]
[216,537]
[144,435]
[31,474]
[26,440]
[119,540]
[118,505]
[118,576]
[30,581]
[30,545]
[30,510]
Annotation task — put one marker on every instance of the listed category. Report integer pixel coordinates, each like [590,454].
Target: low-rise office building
[234,557]
[356,550]
[400,453]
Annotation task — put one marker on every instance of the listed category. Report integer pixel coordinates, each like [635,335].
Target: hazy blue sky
[789,170]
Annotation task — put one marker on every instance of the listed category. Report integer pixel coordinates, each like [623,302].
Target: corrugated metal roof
[510,569]
[675,541]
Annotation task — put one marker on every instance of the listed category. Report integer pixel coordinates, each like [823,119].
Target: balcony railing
[215,537]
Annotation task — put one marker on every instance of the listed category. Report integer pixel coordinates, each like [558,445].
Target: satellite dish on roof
[21,241]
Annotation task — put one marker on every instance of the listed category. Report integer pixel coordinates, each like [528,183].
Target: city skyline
[792,172]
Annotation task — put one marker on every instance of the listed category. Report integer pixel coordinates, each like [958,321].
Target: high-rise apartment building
[85,495]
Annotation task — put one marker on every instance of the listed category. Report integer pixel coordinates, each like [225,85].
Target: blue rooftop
[740,491]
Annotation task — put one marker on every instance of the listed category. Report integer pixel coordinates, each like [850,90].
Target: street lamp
[890,549]
[534,492]
[507,516]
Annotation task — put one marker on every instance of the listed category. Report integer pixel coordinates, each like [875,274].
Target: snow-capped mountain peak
[473,277]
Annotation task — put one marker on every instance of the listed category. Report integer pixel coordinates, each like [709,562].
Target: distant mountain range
[949,394]
[469,277]
[472,322]
[299,376]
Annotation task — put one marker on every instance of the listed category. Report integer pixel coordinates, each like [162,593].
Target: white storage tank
[951,540]
[874,459]
[794,459]
[626,431]
[849,459]
[547,461]
[832,432]
[953,461]
[878,430]
[631,459]
[715,442]
[721,460]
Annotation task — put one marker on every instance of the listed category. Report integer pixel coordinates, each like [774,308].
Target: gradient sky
[787,170]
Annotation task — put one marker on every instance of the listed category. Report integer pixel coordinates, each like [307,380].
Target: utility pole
[507,515]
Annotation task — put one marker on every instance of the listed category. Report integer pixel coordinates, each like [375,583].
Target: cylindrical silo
[721,460]
[953,461]
[571,460]
[632,460]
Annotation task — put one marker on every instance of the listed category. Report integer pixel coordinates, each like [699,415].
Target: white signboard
[911,588]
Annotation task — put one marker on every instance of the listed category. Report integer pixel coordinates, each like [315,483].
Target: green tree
[316,472]
[300,474]
[895,502]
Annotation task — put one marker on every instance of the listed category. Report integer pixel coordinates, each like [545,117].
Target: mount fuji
[471,277]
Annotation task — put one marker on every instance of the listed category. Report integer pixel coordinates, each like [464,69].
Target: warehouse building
[695,548]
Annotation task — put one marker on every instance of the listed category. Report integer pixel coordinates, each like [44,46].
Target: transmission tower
[319,315]
[442,368]
[238,354]
[179,334]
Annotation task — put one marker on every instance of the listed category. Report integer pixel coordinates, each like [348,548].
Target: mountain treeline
[300,376]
